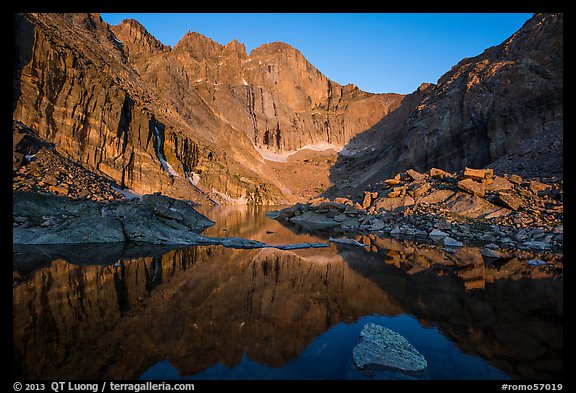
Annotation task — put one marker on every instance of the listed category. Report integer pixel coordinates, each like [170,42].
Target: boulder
[489,253]
[515,179]
[535,245]
[341,217]
[436,233]
[508,200]
[343,201]
[350,223]
[351,210]
[393,203]
[415,175]
[449,242]
[290,212]
[472,187]
[368,198]
[498,184]
[478,174]
[377,225]
[351,242]
[393,182]
[312,220]
[417,189]
[439,173]
[396,192]
[536,262]
[436,196]
[536,187]
[380,346]
[59,189]
[471,206]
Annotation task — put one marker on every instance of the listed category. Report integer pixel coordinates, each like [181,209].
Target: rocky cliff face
[504,106]
[195,119]
[206,121]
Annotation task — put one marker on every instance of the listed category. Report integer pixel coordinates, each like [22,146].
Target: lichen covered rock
[383,347]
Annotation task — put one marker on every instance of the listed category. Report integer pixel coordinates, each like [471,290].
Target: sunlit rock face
[209,121]
[196,116]
[502,109]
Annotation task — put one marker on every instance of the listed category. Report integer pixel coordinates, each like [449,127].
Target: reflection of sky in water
[329,356]
[218,313]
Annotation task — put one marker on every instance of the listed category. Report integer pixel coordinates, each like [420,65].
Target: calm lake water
[115,312]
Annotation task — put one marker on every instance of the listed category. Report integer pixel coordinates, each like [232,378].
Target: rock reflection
[200,306]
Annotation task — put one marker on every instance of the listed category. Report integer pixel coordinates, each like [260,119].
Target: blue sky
[378,52]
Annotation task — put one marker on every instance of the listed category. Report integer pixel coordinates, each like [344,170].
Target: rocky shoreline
[40,218]
[473,206]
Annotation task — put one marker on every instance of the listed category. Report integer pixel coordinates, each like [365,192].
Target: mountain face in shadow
[501,109]
[200,115]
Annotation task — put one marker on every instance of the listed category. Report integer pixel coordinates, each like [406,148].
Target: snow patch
[283,157]
[165,164]
[198,80]
[118,41]
[194,179]
[244,82]
[271,156]
[168,168]
[128,193]
[320,147]
[227,198]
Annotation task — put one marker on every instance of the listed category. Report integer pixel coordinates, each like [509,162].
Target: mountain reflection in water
[214,312]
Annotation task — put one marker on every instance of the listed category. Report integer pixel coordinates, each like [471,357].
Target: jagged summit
[136,38]
[272,47]
[199,119]
[208,119]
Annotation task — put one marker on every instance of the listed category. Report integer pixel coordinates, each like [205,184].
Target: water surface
[219,313]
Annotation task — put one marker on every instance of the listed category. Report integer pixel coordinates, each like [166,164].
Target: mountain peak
[272,48]
[193,39]
[198,46]
[136,38]
[235,47]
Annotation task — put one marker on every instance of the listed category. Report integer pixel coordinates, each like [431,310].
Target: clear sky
[378,52]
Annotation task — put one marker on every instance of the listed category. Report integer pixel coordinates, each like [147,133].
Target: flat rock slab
[351,242]
[509,200]
[471,187]
[478,174]
[415,175]
[314,220]
[380,346]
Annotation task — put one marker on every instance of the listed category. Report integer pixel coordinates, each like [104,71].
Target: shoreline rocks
[42,219]
[473,206]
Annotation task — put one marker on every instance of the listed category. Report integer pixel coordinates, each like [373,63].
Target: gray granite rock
[383,347]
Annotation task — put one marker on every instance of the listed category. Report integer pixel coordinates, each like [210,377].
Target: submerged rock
[383,347]
[351,242]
